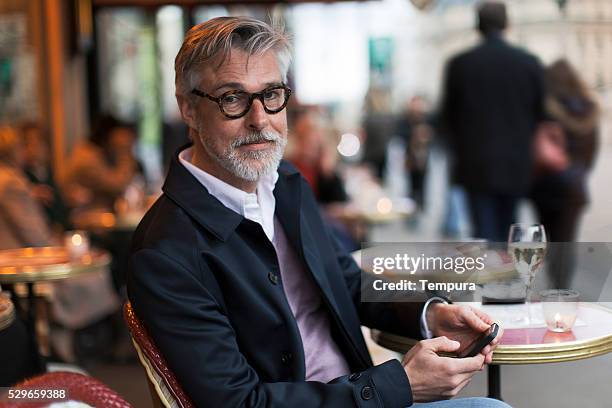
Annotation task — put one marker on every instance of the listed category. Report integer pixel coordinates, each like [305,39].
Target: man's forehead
[240,68]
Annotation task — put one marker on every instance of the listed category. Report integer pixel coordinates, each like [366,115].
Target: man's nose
[257,118]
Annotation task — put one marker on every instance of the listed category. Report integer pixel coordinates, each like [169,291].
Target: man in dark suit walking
[493,97]
[235,275]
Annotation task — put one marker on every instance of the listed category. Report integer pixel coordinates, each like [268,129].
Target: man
[234,273]
[492,103]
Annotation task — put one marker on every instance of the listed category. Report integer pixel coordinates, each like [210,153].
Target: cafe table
[591,336]
[122,219]
[30,266]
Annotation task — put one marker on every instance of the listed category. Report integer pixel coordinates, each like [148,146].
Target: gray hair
[215,38]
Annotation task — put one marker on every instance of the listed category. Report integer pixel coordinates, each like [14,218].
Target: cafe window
[18,62]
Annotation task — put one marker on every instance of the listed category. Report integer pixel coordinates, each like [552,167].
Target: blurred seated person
[104,167]
[22,224]
[79,301]
[315,158]
[22,220]
[38,170]
[101,168]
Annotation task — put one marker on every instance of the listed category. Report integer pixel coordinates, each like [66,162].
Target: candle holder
[560,307]
[76,243]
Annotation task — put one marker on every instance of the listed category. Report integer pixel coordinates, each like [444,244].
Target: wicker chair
[78,387]
[165,389]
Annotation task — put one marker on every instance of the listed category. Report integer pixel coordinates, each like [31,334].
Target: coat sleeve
[199,344]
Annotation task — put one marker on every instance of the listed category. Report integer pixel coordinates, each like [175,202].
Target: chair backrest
[7,311]
[71,386]
[165,389]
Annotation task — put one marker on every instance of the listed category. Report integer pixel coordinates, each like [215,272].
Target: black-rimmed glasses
[235,104]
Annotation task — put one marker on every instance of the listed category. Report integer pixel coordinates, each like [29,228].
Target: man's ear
[188,111]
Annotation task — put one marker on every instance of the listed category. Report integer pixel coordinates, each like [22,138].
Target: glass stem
[528,303]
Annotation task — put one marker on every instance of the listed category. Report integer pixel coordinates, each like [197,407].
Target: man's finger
[468,364]
[482,315]
[487,352]
[496,340]
[474,320]
[442,343]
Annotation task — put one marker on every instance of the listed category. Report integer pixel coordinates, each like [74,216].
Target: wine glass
[527,246]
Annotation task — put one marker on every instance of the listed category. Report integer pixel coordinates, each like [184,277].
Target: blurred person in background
[416,131]
[378,126]
[38,170]
[565,150]
[493,101]
[311,150]
[104,166]
[22,224]
[22,220]
[313,154]
[78,302]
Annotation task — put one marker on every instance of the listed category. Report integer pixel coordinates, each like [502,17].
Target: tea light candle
[384,205]
[560,307]
[76,243]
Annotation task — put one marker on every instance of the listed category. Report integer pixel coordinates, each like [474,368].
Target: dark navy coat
[206,283]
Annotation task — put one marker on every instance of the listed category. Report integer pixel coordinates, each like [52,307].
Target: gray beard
[240,164]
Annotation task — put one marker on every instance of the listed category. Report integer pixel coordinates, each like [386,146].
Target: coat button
[286,358]
[354,377]
[367,393]
[273,278]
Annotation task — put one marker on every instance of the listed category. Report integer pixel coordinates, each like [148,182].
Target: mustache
[257,137]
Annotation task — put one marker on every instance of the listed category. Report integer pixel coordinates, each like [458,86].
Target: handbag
[549,149]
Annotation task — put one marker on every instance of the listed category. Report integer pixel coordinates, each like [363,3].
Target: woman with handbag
[564,153]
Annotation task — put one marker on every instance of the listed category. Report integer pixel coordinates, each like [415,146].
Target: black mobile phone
[481,342]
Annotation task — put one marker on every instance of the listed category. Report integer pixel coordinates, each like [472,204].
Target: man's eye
[232,98]
[273,94]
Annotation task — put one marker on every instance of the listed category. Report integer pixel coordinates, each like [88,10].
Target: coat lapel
[288,194]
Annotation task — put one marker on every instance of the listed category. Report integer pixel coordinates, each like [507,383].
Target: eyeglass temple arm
[204,95]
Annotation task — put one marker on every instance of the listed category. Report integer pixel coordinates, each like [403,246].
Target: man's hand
[433,377]
[461,323]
